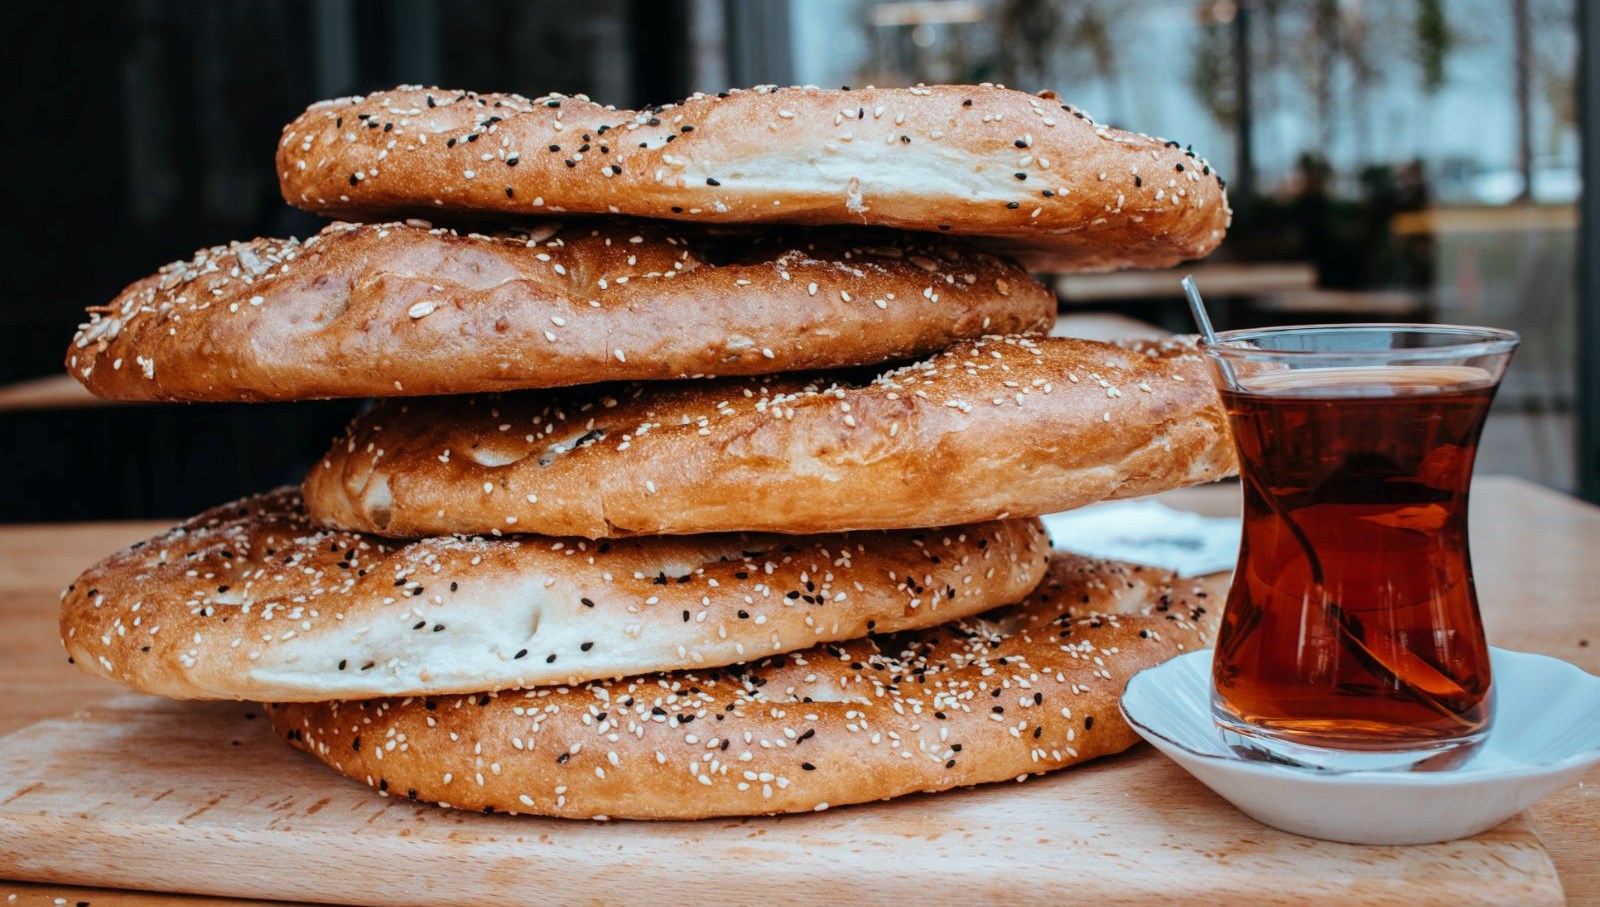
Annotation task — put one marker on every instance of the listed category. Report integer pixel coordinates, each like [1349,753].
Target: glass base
[1255,744]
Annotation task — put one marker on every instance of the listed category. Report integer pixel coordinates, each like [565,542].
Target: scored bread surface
[1012,693]
[1026,174]
[251,601]
[406,309]
[1009,426]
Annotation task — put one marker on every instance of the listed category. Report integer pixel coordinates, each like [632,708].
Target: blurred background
[1408,160]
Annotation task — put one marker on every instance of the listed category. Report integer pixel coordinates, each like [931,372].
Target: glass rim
[1474,341]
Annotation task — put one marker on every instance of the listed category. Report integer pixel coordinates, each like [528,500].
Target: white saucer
[1546,732]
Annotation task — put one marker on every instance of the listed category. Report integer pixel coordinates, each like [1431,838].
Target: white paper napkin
[1145,532]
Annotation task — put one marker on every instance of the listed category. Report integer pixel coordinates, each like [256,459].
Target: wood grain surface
[1126,830]
[153,794]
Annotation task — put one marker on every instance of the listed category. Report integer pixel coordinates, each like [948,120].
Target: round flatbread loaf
[406,309]
[1033,177]
[1016,692]
[998,427]
[250,601]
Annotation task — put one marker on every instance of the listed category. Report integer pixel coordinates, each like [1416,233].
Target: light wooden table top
[49,392]
[1215,279]
[1538,573]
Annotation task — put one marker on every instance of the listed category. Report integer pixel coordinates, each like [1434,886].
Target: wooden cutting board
[200,797]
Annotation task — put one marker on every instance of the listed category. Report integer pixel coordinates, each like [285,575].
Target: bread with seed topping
[1003,426]
[408,309]
[1024,174]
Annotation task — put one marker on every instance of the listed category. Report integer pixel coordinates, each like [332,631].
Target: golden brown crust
[1033,177]
[251,601]
[1002,426]
[392,309]
[1019,691]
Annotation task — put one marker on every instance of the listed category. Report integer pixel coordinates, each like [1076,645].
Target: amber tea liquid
[1352,620]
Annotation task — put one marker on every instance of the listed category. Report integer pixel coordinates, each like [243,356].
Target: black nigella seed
[521,653]
[1013,205]
[586,646]
[712,182]
[1020,176]
[1088,723]
[808,766]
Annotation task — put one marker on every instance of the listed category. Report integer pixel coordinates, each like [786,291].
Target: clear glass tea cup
[1351,637]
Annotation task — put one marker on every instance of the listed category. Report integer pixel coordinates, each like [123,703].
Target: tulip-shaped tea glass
[1351,637]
